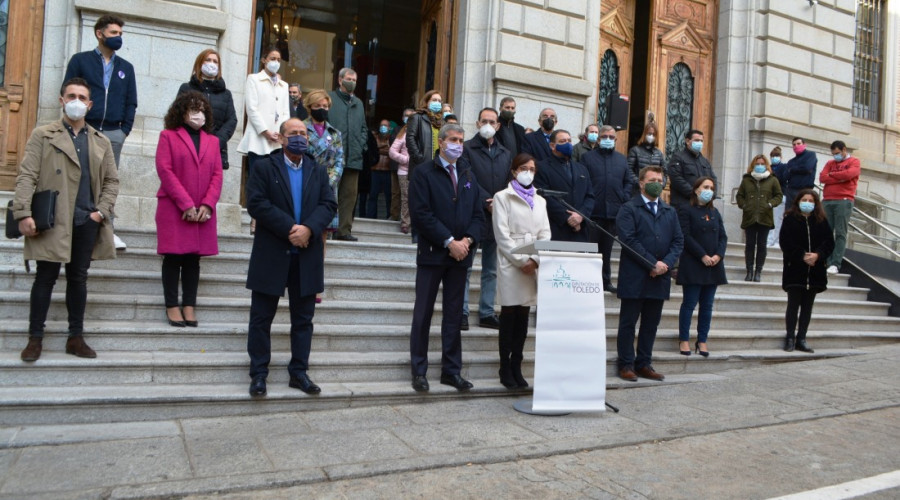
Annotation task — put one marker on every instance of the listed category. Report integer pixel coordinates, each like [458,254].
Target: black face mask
[547,124]
[319,115]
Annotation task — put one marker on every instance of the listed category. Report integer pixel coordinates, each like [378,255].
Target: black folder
[43,211]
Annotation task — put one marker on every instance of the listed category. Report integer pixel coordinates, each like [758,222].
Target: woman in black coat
[806,241]
[645,153]
[701,270]
[206,78]
[422,129]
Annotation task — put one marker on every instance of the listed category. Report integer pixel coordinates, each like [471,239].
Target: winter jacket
[515,224]
[113,109]
[644,155]
[224,116]
[798,236]
[684,168]
[512,136]
[800,171]
[704,234]
[582,148]
[491,172]
[611,179]
[419,140]
[757,198]
[267,108]
[348,115]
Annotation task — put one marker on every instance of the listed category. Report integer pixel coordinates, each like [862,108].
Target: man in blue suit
[537,143]
[289,196]
[445,204]
[650,233]
[560,173]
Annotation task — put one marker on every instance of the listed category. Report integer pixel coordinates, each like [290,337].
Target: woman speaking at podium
[520,217]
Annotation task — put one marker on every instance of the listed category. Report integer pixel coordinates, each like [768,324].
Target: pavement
[755,432]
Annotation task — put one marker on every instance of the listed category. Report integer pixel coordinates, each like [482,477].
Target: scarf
[526,194]
[761,176]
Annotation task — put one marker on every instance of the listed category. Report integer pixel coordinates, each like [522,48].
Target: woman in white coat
[520,217]
[266,101]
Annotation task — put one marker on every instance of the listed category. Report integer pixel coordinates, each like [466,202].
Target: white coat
[515,224]
[267,107]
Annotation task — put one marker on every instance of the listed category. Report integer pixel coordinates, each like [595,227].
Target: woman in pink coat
[190,181]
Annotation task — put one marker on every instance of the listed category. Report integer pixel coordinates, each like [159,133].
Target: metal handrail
[875,240]
[877,203]
[875,221]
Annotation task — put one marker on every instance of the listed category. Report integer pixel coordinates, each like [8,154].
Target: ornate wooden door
[437,64]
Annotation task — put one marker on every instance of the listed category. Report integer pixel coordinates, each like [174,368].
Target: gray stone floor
[748,433]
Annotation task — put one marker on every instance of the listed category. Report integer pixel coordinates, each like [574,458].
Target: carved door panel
[437,61]
[616,56]
[20,49]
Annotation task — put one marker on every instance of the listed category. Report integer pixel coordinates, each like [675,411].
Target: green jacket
[757,198]
[350,120]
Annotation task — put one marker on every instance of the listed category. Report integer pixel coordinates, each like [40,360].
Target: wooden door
[20,85]
[616,56]
[437,54]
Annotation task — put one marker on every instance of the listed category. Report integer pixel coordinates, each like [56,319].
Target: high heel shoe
[705,354]
[188,322]
[179,324]
[682,351]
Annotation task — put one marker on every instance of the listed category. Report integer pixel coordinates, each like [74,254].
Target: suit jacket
[656,238]
[536,145]
[267,106]
[438,213]
[269,201]
[552,174]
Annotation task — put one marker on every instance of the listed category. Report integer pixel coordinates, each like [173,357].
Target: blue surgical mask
[564,149]
[446,114]
[383,130]
[838,157]
[806,206]
[697,146]
[297,144]
[405,119]
[776,160]
[607,143]
[434,107]
[759,169]
[592,136]
[706,195]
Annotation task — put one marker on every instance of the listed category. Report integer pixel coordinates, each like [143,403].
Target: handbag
[43,211]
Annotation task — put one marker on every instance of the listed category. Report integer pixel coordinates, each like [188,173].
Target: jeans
[187,268]
[381,184]
[802,300]
[757,234]
[705,295]
[83,239]
[650,312]
[838,214]
[488,281]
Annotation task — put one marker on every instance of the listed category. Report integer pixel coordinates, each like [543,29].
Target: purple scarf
[525,194]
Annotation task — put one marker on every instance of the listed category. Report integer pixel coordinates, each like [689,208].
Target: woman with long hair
[400,154]
[645,153]
[206,78]
[422,129]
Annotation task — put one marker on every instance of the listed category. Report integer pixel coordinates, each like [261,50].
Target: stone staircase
[146,370]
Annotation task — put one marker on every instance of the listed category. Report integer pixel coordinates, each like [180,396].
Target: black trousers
[185,267]
[605,244]
[428,280]
[800,300]
[513,333]
[649,311]
[757,236]
[83,239]
[262,311]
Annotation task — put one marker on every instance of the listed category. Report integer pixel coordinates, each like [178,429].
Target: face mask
[548,124]
[434,107]
[706,195]
[319,115]
[592,137]
[507,114]
[294,99]
[273,66]
[297,144]
[349,86]
[607,143]
[799,148]
[453,151]
[486,131]
[838,157]
[564,149]
[383,130]
[653,189]
[210,69]
[196,120]
[649,139]
[446,114]
[697,146]
[525,178]
[75,110]
[776,160]
[113,42]
[759,169]
[807,206]
[405,119]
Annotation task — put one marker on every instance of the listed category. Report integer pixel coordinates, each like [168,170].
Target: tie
[652,205]
[452,175]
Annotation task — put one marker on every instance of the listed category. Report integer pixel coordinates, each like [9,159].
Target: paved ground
[749,433]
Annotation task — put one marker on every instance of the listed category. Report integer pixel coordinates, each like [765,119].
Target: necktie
[652,207]
[452,175]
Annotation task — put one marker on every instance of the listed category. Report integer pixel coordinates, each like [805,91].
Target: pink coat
[187,180]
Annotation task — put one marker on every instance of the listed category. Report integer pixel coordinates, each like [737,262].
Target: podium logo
[562,279]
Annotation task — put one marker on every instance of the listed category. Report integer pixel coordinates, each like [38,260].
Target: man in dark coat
[560,173]
[296,105]
[650,233]
[289,196]
[348,115]
[612,182]
[686,166]
[490,162]
[537,143]
[510,134]
[446,208]
[799,173]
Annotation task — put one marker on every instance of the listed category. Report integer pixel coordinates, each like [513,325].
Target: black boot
[504,341]
[801,343]
[749,276]
[520,333]
[789,343]
[757,275]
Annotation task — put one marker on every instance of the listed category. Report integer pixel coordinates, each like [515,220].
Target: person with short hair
[348,116]
[72,158]
[839,179]
[560,173]
[778,212]
[511,135]
[588,141]
[686,166]
[800,171]
[298,110]
[537,143]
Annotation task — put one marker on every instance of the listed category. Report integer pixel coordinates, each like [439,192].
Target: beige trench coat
[515,224]
[51,162]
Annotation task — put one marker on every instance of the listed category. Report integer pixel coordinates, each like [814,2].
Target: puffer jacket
[222,104]
[757,198]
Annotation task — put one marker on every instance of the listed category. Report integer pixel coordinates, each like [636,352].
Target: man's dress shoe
[460,383]
[420,383]
[258,386]
[649,372]
[627,373]
[303,383]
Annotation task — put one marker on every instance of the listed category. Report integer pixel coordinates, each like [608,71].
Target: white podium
[570,343]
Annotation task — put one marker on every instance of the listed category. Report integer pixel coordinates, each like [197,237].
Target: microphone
[549,193]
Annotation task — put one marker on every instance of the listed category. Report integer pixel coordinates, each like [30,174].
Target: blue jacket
[438,213]
[612,181]
[800,171]
[536,145]
[114,109]
[704,234]
[269,201]
[656,238]
[552,174]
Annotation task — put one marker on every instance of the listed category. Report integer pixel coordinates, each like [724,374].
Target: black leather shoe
[803,346]
[789,344]
[456,381]
[420,383]
[757,276]
[610,288]
[489,322]
[258,386]
[346,237]
[303,383]
[464,324]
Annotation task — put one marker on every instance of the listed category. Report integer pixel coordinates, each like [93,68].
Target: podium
[570,343]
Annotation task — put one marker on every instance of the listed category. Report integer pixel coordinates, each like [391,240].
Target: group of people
[305,152]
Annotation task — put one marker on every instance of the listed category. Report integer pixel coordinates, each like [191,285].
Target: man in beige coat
[70,157]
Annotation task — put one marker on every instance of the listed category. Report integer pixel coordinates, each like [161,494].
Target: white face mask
[525,178]
[273,66]
[210,69]
[196,120]
[486,131]
[75,110]
[650,138]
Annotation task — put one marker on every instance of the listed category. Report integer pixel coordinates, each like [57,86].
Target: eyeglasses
[607,137]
